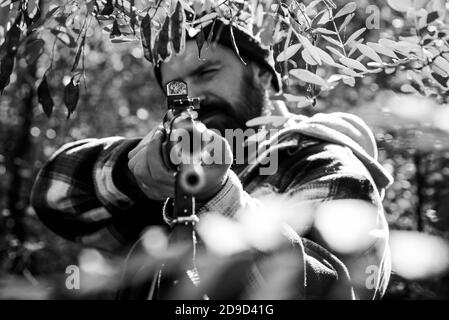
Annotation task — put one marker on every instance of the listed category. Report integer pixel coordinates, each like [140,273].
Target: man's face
[225,85]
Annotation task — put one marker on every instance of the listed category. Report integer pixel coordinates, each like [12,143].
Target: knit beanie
[250,48]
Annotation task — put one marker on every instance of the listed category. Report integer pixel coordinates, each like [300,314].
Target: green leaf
[163,42]
[71,96]
[145,35]
[288,53]
[407,88]
[346,22]
[325,31]
[44,97]
[347,9]
[108,8]
[309,77]
[354,36]
[369,52]
[33,50]
[308,58]
[115,30]
[332,41]
[178,33]
[78,53]
[382,50]
[353,64]
[442,81]
[431,17]
[325,56]
[442,63]
[310,48]
[200,39]
[8,52]
[210,36]
[133,19]
[334,51]
[325,17]
[64,37]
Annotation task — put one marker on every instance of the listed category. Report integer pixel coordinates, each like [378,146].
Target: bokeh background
[121,98]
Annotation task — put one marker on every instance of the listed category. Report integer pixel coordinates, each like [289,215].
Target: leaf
[346,22]
[325,56]
[442,63]
[64,37]
[325,31]
[325,18]
[354,36]
[311,48]
[163,41]
[33,50]
[354,47]
[400,5]
[308,58]
[71,96]
[309,77]
[5,3]
[44,97]
[347,9]
[200,39]
[317,20]
[6,68]
[115,30]
[78,53]
[295,98]
[353,64]
[178,33]
[145,35]
[431,17]
[108,8]
[334,51]
[369,52]
[288,53]
[332,41]
[407,88]
[210,36]
[132,12]
[205,18]
[440,79]
[8,52]
[349,72]
[350,81]
[331,3]
[382,50]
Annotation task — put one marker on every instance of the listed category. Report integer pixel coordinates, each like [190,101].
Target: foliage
[310,41]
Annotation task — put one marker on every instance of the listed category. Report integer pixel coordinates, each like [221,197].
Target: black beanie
[250,49]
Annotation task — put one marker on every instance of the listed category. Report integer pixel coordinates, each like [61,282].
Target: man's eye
[208,72]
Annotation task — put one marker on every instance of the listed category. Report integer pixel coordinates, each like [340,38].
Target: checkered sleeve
[86,193]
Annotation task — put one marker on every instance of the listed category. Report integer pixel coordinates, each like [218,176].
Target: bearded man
[105,192]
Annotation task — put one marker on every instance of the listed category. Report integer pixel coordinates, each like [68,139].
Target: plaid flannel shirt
[86,193]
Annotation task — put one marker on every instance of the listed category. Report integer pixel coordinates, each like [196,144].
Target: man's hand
[148,162]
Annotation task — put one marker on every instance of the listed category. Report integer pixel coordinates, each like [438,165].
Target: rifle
[189,178]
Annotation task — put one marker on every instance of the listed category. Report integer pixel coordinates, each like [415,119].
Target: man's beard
[217,113]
